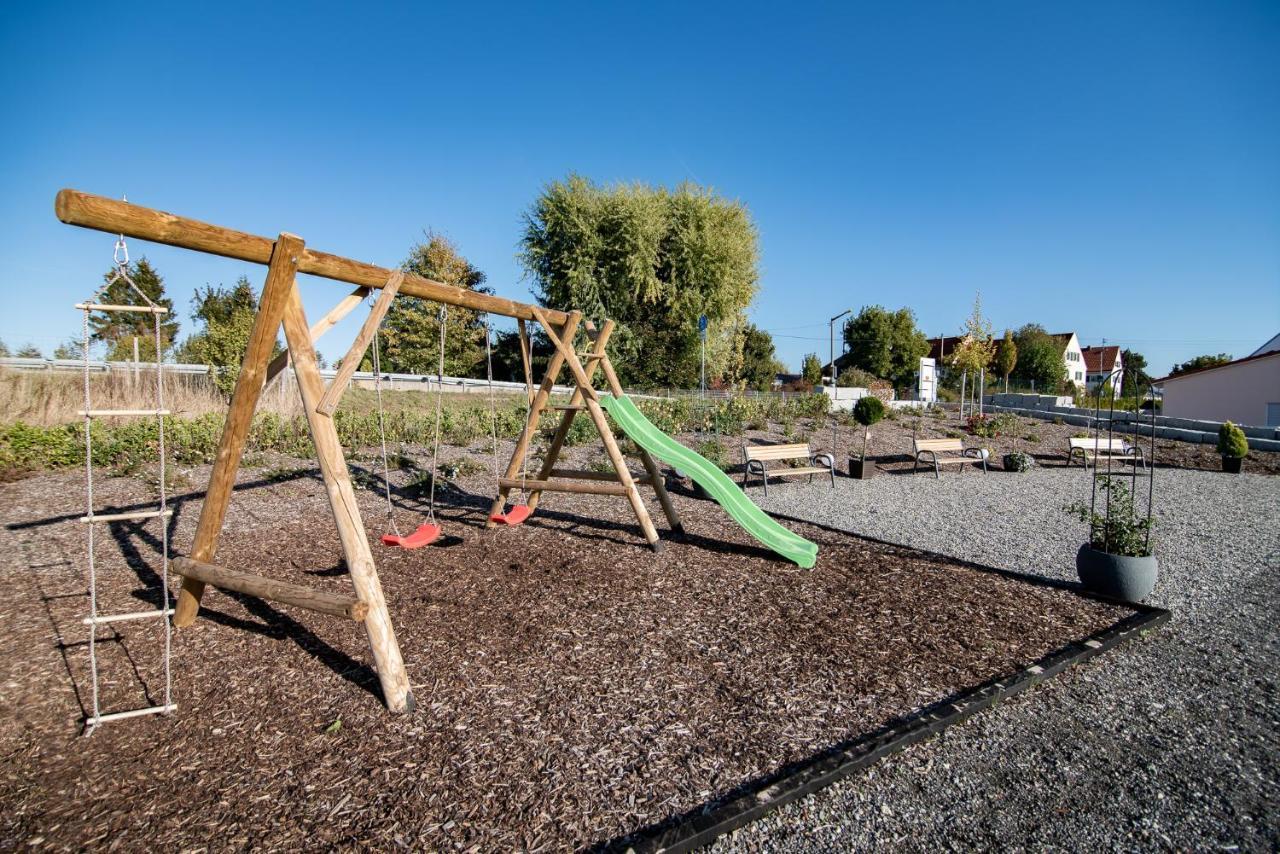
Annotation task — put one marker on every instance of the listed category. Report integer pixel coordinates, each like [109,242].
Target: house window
[1273,414]
[1078,375]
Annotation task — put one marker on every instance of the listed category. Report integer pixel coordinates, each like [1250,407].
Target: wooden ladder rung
[141,309]
[123,517]
[132,713]
[587,487]
[581,474]
[591,355]
[565,407]
[271,589]
[108,413]
[120,618]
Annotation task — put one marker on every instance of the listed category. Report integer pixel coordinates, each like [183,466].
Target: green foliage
[1120,531]
[4,350]
[715,453]
[29,351]
[1006,356]
[227,315]
[975,350]
[118,329]
[652,259]
[461,467]
[811,370]
[1200,362]
[1135,378]
[1232,442]
[1033,438]
[990,426]
[886,344]
[757,367]
[858,378]
[1018,461]
[1039,359]
[409,339]
[868,410]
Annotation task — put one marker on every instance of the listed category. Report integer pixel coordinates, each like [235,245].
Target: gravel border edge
[754,799]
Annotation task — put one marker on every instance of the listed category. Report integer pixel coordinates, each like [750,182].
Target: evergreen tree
[30,351]
[72,348]
[1007,357]
[1135,375]
[4,350]
[118,328]
[811,371]
[409,339]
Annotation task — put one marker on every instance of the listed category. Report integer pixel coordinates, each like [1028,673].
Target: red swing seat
[512,517]
[426,534]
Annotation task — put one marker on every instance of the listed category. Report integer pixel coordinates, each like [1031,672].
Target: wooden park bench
[955,451]
[1103,450]
[757,455]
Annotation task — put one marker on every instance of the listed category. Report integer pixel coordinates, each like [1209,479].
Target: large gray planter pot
[1129,578]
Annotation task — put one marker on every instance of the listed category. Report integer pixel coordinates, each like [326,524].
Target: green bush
[1018,461]
[715,453]
[868,410]
[1121,532]
[1232,442]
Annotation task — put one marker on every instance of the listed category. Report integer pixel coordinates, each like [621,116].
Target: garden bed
[573,687]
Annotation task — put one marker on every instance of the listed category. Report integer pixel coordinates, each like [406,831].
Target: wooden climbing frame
[281,304]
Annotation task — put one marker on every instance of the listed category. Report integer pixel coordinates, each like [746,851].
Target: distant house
[1072,355]
[1099,364]
[1246,391]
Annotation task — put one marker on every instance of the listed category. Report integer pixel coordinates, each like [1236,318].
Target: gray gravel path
[1169,742]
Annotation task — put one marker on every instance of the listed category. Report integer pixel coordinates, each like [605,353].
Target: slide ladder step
[111,413]
[132,713]
[141,309]
[123,517]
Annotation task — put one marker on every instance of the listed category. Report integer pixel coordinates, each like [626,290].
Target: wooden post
[566,419]
[535,414]
[262,338]
[351,361]
[565,347]
[526,358]
[346,513]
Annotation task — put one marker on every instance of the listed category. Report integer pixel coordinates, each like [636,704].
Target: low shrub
[1120,532]
[715,453]
[1232,442]
[1018,461]
[990,426]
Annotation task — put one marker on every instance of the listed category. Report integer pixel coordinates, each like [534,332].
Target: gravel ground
[1170,742]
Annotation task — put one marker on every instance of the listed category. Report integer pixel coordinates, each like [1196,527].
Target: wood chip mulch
[572,686]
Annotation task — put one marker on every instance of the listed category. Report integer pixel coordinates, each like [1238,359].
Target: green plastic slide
[727,494]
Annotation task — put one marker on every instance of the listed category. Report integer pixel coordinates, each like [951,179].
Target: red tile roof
[1100,360]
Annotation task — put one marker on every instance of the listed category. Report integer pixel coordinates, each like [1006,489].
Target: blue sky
[1112,168]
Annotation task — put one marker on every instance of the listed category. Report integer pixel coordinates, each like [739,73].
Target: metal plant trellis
[1115,381]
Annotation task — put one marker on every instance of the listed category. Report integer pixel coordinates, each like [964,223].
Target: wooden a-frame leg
[535,414]
[566,418]
[320,327]
[346,513]
[650,464]
[565,347]
[244,400]
[351,362]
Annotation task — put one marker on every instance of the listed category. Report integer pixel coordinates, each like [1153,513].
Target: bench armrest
[823,459]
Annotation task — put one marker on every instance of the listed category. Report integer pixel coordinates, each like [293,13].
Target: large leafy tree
[1199,362]
[1040,361]
[227,316]
[886,344]
[654,260]
[118,329]
[811,371]
[409,339]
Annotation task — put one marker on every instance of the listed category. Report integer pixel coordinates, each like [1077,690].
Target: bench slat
[939,445]
[777,452]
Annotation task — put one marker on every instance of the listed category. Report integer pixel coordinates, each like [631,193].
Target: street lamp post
[831,328]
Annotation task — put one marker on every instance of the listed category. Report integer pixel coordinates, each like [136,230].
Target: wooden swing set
[281,303]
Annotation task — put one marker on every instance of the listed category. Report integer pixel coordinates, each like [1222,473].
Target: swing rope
[429,531]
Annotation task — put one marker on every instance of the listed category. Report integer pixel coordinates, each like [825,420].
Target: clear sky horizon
[1112,169]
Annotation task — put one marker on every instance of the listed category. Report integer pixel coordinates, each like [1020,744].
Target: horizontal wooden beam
[582,474]
[115,217]
[271,589]
[588,487]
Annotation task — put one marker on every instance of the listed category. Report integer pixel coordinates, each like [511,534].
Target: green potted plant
[1117,561]
[1233,446]
[867,411]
